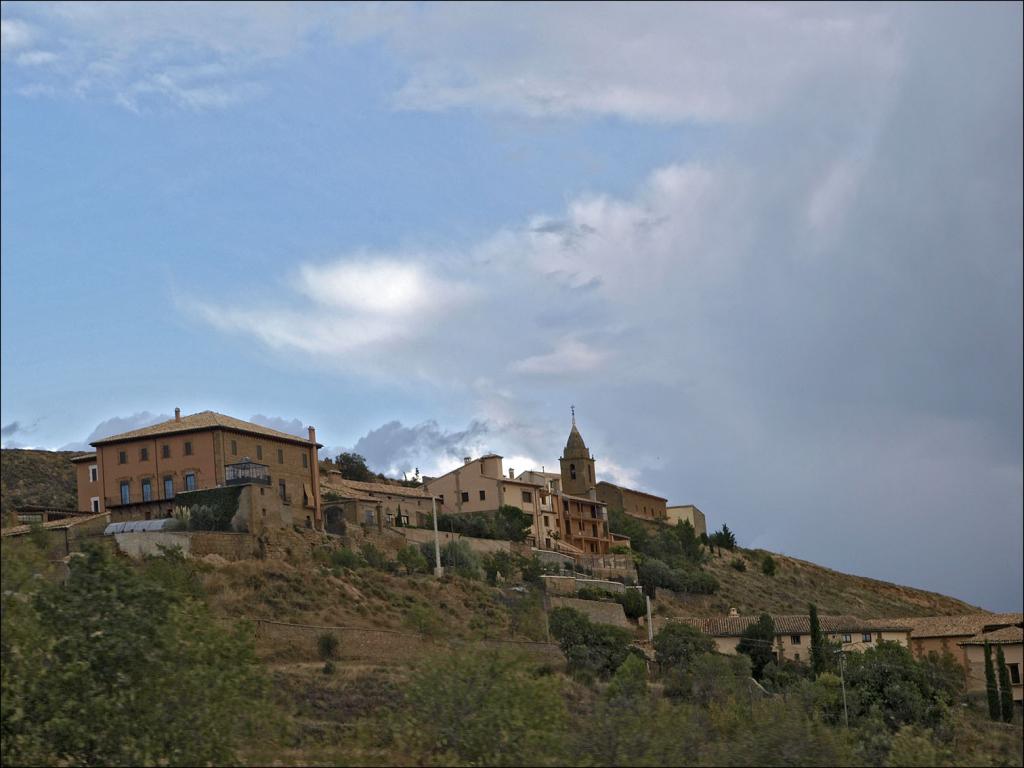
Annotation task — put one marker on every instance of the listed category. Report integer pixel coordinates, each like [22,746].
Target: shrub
[677,645]
[531,569]
[738,564]
[345,558]
[423,619]
[757,641]
[374,557]
[327,646]
[768,565]
[495,563]
[328,668]
[591,650]
[412,559]
[633,603]
[458,556]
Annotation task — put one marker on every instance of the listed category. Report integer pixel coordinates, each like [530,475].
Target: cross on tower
[573,409]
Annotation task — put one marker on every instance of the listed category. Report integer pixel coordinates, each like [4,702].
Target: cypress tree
[1005,691]
[817,646]
[990,685]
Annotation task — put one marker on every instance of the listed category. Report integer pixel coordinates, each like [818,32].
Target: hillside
[797,583]
[36,478]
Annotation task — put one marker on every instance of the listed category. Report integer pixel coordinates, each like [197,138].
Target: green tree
[484,708]
[412,559]
[768,566]
[677,645]
[352,466]
[819,649]
[991,689]
[591,650]
[757,642]
[512,523]
[633,604]
[1005,691]
[116,669]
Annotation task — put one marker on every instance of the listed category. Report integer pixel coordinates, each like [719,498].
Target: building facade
[1011,640]
[137,474]
[639,504]
[946,634]
[676,514]
[376,504]
[793,633]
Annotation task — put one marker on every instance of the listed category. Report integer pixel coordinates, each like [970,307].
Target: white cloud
[36,58]
[14,34]
[568,357]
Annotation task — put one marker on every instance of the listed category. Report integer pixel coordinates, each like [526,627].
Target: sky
[772,253]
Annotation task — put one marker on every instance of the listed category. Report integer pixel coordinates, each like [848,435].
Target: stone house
[376,504]
[1011,640]
[674,515]
[945,634]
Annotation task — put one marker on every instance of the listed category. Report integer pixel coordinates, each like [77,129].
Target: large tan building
[793,633]
[688,512]
[137,474]
[640,504]
[480,485]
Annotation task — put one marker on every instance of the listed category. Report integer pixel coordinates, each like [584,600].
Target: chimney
[733,613]
[177,414]
[312,435]
[466,459]
[511,474]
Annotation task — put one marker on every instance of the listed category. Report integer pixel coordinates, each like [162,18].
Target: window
[95,503]
[441,499]
[280,455]
[565,505]
[190,480]
[483,495]
[282,489]
[126,492]
[169,488]
[528,497]
[165,452]
[547,524]
[305,461]
[572,471]
[143,454]
[259,452]
[147,489]
[593,530]
[122,457]
[1014,673]
[94,474]
[847,639]
[188,449]
[465,495]
[234,448]
[866,637]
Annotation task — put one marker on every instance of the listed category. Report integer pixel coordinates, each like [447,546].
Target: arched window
[572,471]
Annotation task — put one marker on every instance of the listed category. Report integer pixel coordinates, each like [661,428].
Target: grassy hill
[36,477]
[797,583]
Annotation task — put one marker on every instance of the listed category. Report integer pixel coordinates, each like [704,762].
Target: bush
[495,563]
[768,565]
[374,557]
[345,558]
[458,556]
[757,642]
[327,646]
[633,604]
[738,564]
[423,619]
[328,668]
[531,569]
[591,650]
[677,645]
[412,559]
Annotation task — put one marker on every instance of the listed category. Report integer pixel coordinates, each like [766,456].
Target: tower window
[572,471]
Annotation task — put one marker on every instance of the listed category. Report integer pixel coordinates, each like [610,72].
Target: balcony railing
[246,472]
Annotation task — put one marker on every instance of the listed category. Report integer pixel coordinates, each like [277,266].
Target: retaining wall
[482,546]
[595,610]
[570,585]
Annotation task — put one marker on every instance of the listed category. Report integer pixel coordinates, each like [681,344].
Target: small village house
[1011,640]
[374,504]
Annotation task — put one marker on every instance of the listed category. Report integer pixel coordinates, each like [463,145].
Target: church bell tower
[578,478]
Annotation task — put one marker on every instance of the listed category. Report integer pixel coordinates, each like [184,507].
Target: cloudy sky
[772,253]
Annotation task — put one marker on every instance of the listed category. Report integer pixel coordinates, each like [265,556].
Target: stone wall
[139,544]
[481,546]
[596,610]
[569,585]
[230,546]
[606,566]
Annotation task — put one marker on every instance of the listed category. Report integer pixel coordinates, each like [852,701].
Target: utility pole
[842,681]
[650,625]
[438,570]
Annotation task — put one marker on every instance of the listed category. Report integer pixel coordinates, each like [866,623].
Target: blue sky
[771,252]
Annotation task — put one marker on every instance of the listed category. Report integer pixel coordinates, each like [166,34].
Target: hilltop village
[216,486]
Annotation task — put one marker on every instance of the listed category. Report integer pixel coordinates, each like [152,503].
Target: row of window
[165,453]
[280,454]
[147,488]
[847,638]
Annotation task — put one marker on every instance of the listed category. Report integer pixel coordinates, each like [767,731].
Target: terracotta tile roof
[84,457]
[68,522]
[1004,636]
[335,482]
[793,624]
[200,421]
[957,626]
